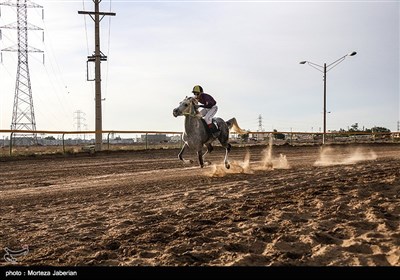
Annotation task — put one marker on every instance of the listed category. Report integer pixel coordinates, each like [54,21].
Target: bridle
[193,112]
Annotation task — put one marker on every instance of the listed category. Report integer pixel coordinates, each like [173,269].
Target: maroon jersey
[207,100]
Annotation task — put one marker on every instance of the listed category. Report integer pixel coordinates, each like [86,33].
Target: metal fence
[299,138]
[19,142]
[24,142]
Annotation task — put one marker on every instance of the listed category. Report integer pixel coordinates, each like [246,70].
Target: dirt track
[146,208]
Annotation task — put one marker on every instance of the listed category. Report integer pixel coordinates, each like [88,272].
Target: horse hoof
[227,165]
[190,161]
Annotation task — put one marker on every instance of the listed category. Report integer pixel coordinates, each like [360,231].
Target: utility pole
[324,134]
[23,117]
[97,58]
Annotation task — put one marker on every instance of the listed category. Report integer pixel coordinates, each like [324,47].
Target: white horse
[197,134]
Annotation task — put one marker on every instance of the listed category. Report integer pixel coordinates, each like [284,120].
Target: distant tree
[380,129]
[280,136]
[50,138]
[354,127]
[245,137]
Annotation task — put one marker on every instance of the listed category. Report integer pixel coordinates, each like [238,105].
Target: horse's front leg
[180,155]
[200,156]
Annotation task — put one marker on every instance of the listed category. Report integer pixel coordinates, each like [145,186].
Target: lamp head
[352,54]
[303,62]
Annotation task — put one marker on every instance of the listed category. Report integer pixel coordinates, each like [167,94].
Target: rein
[192,112]
[191,115]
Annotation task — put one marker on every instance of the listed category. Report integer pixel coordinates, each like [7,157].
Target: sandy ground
[286,206]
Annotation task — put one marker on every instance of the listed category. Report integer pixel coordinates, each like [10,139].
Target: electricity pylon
[23,117]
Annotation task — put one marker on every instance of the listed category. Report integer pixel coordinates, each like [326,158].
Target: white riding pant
[209,113]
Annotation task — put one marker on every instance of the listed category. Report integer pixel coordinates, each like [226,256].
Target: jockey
[209,107]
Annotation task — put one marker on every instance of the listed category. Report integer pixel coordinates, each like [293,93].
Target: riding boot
[213,129]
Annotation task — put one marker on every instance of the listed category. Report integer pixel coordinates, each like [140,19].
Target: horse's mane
[194,101]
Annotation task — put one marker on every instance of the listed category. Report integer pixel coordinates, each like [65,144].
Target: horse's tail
[232,124]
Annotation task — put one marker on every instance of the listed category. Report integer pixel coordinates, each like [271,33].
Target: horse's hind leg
[223,139]
[209,150]
[227,147]
[180,155]
[200,155]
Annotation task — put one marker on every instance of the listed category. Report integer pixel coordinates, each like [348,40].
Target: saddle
[212,132]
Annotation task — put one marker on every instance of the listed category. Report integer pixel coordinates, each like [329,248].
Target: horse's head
[186,107]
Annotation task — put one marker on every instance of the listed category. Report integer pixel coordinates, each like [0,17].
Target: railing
[330,137]
[147,140]
[143,144]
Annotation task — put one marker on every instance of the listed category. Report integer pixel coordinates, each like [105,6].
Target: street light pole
[324,69]
[323,135]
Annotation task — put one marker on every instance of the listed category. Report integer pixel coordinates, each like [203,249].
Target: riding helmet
[197,89]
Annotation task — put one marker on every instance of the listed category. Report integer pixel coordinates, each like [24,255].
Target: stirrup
[213,128]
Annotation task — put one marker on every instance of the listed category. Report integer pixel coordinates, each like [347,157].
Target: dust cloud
[329,156]
[236,167]
[268,162]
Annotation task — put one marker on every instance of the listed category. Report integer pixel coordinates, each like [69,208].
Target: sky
[245,54]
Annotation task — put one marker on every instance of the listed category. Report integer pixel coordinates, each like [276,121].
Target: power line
[108,55]
[86,33]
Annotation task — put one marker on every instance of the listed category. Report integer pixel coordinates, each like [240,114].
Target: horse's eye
[185,104]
